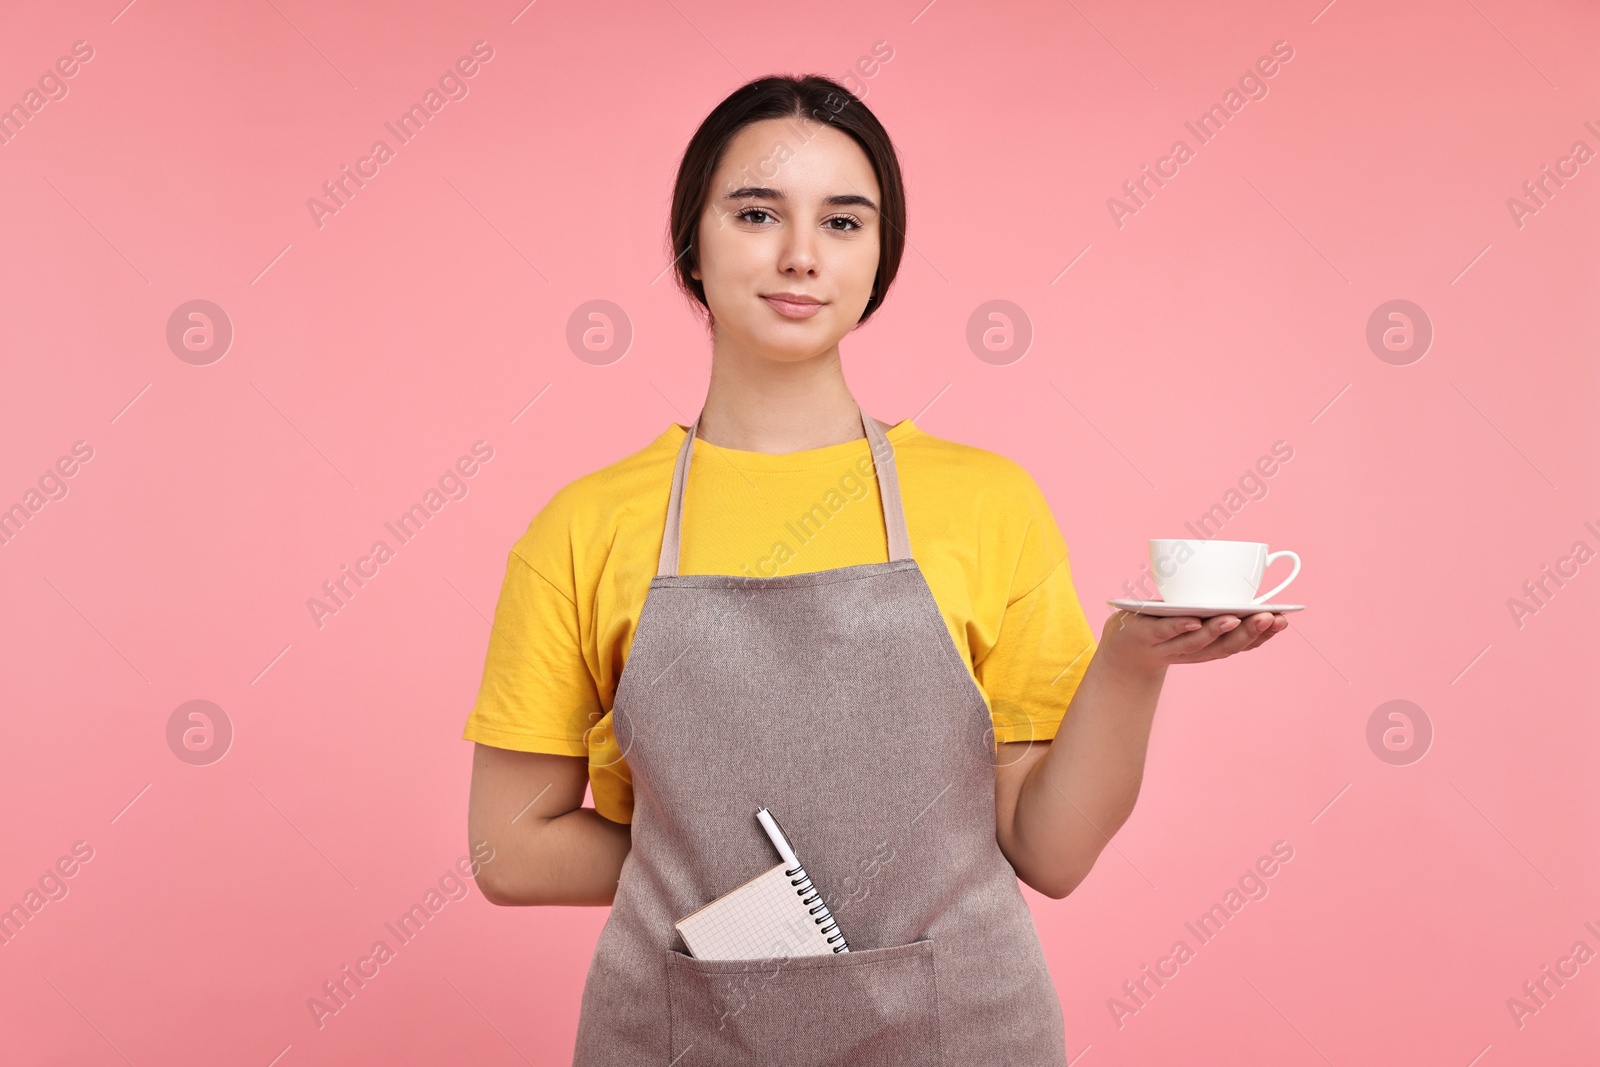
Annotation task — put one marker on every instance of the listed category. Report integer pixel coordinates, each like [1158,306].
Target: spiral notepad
[775,914]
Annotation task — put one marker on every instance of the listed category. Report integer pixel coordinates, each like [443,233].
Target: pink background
[368,354]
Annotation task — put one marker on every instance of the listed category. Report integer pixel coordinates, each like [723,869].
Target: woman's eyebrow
[762,192]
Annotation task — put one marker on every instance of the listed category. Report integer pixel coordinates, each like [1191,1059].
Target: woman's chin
[786,346]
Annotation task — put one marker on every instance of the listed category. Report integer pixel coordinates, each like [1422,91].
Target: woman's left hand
[1150,643]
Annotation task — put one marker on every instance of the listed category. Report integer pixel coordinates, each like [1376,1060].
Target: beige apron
[837,699]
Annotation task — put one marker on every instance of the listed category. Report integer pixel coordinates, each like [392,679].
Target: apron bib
[837,699]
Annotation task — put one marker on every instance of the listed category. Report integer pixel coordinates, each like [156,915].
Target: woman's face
[792,209]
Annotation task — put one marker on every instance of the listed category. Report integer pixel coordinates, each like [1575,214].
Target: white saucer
[1199,611]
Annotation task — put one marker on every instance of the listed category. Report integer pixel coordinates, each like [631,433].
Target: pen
[781,843]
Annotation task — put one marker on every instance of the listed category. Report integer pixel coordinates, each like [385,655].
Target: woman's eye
[749,215]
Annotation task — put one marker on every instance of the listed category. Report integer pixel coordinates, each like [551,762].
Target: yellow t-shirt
[980,529]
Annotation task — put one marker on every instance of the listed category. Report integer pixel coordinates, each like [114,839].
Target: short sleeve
[1044,643]
[537,693]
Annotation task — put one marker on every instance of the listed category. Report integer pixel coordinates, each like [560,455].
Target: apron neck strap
[894,515]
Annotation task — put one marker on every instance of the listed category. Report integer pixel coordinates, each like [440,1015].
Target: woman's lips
[791,310]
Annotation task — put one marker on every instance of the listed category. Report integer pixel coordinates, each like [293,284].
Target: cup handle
[1265,597]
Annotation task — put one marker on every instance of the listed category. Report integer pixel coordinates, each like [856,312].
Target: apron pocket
[874,1007]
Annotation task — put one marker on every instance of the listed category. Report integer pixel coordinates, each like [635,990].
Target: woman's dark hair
[814,97]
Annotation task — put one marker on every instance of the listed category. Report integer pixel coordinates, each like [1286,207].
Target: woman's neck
[766,405]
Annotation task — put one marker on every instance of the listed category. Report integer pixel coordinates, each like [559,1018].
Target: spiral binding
[825,919]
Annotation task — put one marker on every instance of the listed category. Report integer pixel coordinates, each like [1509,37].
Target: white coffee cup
[1215,573]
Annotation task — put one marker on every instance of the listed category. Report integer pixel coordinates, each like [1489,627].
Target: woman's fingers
[1247,635]
[1275,627]
[1251,631]
[1168,628]
[1216,637]
[1183,641]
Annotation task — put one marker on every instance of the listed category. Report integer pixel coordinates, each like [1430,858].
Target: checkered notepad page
[763,918]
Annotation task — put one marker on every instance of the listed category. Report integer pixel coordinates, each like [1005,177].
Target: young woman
[865,628]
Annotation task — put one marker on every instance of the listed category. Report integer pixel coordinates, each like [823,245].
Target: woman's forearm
[1084,787]
[547,847]
[571,859]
